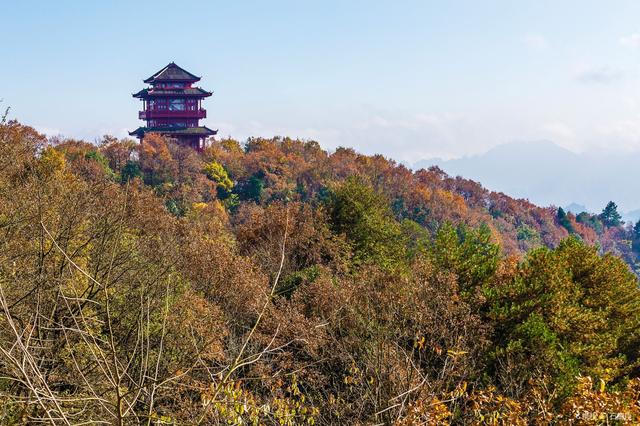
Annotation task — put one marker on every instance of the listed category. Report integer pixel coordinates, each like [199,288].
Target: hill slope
[274,283]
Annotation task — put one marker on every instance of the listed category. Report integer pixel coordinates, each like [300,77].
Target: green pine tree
[610,216]
[564,221]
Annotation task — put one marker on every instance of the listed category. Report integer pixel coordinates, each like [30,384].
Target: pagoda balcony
[151,114]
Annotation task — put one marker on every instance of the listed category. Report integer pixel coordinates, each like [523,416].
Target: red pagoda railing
[150,114]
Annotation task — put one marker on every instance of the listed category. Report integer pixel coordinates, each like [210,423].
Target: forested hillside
[271,282]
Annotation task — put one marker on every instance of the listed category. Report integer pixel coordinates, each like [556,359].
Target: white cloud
[409,136]
[597,74]
[562,134]
[631,40]
[624,133]
[402,135]
[536,41]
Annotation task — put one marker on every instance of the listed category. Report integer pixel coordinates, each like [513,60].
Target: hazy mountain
[632,216]
[576,208]
[548,174]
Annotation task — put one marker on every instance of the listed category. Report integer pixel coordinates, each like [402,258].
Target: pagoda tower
[172,107]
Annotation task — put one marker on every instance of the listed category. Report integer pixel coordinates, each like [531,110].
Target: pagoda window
[158,104]
[170,85]
[176,105]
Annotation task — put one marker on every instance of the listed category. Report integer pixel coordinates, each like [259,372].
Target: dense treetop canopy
[272,282]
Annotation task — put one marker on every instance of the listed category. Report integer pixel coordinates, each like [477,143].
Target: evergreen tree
[610,216]
[365,217]
[130,171]
[469,253]
[635,237]
[253,188]
[564,221]
[567,311]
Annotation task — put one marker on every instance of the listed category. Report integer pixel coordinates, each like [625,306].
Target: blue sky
[408,79]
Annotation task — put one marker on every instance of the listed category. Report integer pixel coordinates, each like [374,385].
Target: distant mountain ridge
[547,174]
[576,208]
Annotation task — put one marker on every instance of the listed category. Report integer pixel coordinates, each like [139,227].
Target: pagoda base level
[195,142]
[193,137]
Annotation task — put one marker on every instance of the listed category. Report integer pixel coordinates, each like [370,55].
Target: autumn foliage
[271,282]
